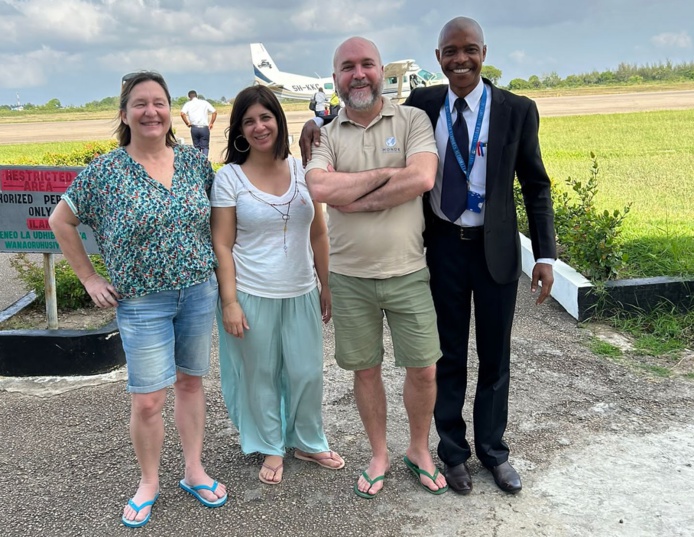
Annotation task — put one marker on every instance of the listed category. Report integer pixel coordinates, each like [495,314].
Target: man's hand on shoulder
[310,135]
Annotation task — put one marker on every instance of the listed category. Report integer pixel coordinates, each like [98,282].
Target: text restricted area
[28,195]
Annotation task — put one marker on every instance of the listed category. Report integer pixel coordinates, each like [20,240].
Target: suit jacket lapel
[433,103]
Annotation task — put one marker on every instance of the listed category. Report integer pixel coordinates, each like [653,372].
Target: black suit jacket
[513,149]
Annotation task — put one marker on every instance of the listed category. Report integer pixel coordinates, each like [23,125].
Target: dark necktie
[454,184]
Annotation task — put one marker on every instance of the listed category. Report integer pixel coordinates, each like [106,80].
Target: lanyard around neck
[475,137]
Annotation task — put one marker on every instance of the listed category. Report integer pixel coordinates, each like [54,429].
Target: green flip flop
[417,471]
[371,484]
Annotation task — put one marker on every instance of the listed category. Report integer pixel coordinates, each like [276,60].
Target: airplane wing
[397,68]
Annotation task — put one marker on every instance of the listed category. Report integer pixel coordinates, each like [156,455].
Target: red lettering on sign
[37,180]
[38,224]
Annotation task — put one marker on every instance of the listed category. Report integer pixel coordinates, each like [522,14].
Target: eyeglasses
[152,75]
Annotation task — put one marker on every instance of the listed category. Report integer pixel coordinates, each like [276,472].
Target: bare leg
[147,435]
[189,413]
[419,395]
[371,402]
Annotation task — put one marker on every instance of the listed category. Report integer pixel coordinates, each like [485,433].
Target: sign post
[49,285]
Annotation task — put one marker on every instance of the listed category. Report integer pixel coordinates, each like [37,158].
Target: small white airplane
[400,78]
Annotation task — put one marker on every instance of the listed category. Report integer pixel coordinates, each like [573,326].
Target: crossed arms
[376,189]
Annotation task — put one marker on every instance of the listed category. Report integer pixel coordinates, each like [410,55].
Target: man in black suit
[473,248]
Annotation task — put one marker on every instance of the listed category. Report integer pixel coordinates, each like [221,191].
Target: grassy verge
[10,154]
[660,342]
[645,158]
[606,90]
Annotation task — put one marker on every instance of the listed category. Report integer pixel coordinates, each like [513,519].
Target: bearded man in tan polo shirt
[373,164]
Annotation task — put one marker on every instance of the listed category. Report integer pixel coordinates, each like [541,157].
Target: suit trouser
[201,138]
[459,276]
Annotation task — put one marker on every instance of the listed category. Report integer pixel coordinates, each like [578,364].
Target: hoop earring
[237,147]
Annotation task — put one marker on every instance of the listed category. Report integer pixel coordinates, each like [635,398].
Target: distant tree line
[625,74]
[109,103]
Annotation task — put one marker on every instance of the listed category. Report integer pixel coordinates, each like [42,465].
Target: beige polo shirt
[378,244]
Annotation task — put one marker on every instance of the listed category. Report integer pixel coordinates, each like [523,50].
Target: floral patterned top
[152,239]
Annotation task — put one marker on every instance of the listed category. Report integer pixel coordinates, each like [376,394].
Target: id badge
[475,202]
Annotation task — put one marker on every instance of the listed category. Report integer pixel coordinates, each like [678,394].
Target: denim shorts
[166,332]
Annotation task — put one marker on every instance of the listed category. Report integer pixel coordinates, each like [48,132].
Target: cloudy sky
[77,50]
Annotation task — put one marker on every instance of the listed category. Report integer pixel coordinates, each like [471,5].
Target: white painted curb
[567,281]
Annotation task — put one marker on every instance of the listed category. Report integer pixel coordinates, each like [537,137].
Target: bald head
[368,47]
[461,54]
[461,24]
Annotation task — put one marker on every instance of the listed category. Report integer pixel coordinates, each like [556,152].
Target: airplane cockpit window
[426,76]
[328,86]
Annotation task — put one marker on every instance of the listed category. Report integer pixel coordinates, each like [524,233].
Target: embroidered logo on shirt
[390,146]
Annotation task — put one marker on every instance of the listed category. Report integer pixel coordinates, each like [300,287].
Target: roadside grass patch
[662,331]
[603,348]
[646,159]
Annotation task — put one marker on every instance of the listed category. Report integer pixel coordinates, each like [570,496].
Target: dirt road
[102,129]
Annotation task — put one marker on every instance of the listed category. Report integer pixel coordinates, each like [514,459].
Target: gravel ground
[603,449]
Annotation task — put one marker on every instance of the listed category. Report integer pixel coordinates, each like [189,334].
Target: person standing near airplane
[272,245]
[147,202]
[199,116]
[473,249]
[335,104]
[377,260]
[321,100]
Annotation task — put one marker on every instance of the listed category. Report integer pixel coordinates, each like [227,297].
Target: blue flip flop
[194,491]
[138,508]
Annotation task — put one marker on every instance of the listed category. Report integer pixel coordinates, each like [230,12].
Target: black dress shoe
[505,477]
[458,478]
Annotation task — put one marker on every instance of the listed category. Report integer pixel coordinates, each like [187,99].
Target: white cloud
[35,68]
[672,40]
[518,56]
[71,20]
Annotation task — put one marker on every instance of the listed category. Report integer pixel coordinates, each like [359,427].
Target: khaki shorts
[358,308]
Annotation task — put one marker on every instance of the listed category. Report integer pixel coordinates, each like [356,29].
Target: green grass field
[645,158]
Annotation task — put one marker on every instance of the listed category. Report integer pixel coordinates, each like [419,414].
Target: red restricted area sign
[28,195]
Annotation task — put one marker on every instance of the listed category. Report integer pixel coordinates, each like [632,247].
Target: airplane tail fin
[261,59]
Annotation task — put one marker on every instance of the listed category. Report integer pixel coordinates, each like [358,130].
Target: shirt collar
[472,99]
[388,109]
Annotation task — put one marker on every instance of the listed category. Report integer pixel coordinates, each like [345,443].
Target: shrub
[590,238]
[70,293]
[77,157]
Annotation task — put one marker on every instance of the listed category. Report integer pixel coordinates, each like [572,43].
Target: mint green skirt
[272,379]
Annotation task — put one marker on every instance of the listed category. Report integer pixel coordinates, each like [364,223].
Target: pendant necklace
[276,206]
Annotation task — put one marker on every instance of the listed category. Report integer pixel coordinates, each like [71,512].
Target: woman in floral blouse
[147,202]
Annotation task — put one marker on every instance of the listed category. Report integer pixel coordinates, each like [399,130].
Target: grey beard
[363,103]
